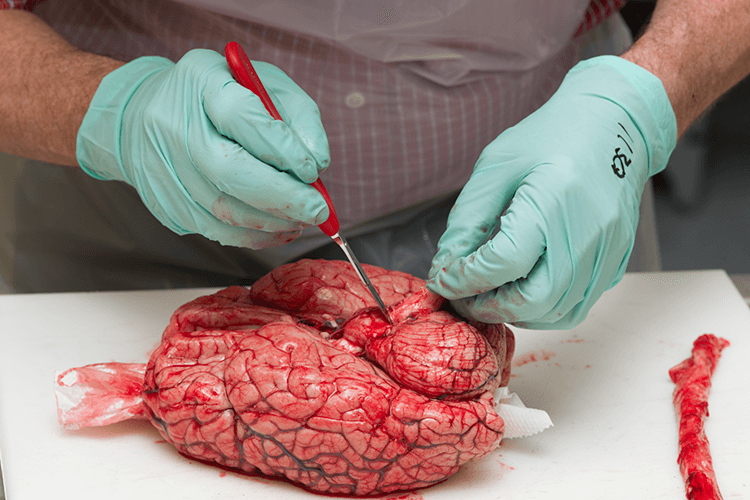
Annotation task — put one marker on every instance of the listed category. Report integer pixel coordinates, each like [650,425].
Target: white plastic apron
[442,40]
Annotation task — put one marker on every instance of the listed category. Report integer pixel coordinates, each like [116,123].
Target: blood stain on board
[504,468]
[533,357]
[411,495]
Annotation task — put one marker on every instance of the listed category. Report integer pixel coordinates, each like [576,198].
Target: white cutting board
[604,384]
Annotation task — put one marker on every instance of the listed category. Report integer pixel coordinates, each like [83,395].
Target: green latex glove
[203,152]
[565,185]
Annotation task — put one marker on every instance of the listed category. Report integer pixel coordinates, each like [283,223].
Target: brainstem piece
[296,379]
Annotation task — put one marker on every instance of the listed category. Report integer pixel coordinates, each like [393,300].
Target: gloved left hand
[565,186]
[203,152]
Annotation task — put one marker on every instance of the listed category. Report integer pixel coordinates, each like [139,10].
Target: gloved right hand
[203,152]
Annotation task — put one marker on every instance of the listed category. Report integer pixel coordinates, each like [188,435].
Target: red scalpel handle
[243,71]
[331,226]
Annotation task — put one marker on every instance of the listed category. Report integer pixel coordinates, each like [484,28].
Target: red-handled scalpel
[243,71]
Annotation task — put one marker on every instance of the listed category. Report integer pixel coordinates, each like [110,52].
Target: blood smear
[533,357]
[693,382]
[503,466]
[404,496]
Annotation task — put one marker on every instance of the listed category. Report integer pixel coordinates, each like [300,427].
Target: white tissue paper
[519,420]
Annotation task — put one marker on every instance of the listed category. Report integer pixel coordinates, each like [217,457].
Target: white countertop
[742,282]
[604,384]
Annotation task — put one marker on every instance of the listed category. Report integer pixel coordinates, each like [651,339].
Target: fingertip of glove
[273,240]
[322,162]
[250,238]
[489,307]
[443,283]
[322,216]
[433,284]
[307,171]
[445,255]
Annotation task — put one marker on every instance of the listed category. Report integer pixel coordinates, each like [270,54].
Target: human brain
[301,378]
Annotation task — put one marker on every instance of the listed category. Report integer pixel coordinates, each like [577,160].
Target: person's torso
[406,116]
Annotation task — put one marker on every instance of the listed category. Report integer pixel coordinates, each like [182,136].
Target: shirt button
[355,100]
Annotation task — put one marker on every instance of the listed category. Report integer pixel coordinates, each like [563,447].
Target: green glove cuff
[98,141]
[649,107]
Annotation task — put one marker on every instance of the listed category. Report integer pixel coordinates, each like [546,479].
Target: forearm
[698,48]
[46,86]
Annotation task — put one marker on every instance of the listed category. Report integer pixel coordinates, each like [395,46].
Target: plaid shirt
[395,139]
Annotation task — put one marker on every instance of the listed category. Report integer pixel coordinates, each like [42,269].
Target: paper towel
[519,420]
